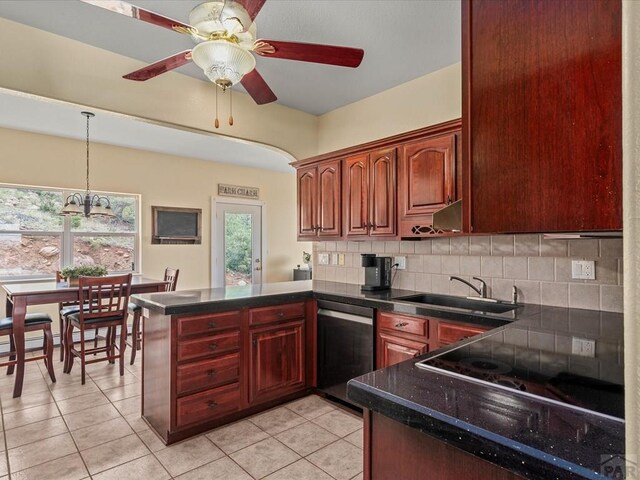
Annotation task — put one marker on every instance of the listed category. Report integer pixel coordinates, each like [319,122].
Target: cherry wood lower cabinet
[418,456]
[204,370]
[277,360]
[402,337]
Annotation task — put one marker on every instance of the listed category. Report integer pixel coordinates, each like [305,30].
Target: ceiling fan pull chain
[230,107]
[216,123]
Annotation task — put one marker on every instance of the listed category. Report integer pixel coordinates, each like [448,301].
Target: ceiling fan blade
[132,11]
[252,7]
[255,86]
[161,66]
[310,52]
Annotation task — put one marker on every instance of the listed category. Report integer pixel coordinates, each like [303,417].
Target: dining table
[22,295]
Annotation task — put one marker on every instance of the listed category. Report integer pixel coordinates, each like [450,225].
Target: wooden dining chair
[33,322]
[171,277]
[106,301]
[64,309]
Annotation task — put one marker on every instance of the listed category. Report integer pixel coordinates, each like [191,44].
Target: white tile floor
[69,431]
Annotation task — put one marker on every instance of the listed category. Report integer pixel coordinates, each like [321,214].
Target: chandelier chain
[88,190]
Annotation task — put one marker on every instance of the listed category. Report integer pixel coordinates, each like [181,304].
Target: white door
[237,244]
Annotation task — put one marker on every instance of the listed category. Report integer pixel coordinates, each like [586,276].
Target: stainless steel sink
[491,306]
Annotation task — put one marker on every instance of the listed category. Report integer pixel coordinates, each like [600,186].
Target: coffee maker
[377,272]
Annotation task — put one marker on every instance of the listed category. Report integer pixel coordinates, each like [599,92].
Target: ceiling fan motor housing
[223,20]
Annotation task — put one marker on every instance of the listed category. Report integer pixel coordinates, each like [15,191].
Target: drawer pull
[212,325]
[212,404]
[401,324]
[213,346]
[211,373]
[280,314]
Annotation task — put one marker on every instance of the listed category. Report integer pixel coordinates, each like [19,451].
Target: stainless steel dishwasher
[345,345]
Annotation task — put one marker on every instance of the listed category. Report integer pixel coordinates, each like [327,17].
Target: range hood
[449,218]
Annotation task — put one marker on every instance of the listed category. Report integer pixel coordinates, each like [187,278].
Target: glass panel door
[237,246]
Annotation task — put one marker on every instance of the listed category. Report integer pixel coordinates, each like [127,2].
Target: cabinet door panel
[543,157]
[277,361]
[307,179]
[382,183]
[356,195]
[392,350]
[427,175]
[329,199]
[450,332]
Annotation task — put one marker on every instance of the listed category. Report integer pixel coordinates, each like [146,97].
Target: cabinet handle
[212,325]
[211,373]
[213,346]
[212,404]
[280,314]
[401,324]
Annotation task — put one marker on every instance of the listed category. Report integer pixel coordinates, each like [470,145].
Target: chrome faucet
[482,290]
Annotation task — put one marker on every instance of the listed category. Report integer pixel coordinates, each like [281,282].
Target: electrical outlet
[583,347]
[401,261]
[341,259]
[334,259]
[583,270]
[323,259]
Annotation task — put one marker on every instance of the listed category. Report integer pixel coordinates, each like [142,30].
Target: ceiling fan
[225,36]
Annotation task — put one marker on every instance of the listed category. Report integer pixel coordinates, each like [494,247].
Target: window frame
[67,236]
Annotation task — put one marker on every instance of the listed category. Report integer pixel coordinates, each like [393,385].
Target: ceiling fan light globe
[223,62]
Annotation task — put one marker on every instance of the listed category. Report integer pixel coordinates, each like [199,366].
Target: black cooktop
[533,362]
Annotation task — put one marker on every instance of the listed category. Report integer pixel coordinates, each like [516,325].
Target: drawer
[208,373]
[211,322]
[289,311]
[452,332]
[208,346]
[402,323]
[207,405]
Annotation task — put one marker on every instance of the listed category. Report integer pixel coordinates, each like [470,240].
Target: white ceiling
[402,40]
[50,117]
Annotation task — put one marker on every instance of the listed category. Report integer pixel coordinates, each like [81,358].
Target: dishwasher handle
[345,316]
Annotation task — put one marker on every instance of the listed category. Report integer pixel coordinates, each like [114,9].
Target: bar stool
[33,322]
[170,276]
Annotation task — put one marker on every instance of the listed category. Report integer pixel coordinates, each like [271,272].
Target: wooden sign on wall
[238,191]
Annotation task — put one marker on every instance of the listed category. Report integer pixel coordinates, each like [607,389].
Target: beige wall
[33,159]
[56,67]
[431,99]
[631,202]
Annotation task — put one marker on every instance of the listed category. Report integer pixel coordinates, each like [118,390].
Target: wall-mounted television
[176,226]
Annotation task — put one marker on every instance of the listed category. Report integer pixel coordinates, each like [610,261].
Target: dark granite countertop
[565,428]
[530,435]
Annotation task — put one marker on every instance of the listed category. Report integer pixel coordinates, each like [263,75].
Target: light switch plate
[341,259]
[583,347]
[334,259]
[583,270]
[323,259]
[401,261]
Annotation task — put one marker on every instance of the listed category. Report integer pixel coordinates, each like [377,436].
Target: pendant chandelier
[87,204]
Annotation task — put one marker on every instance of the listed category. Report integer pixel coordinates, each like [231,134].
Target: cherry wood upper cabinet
[356,195]
[542,115]
[382,192]
[329,199]
[427,180]
[319,200]
[307,179]
[370,193]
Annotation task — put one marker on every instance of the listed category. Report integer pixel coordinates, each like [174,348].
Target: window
[35,240]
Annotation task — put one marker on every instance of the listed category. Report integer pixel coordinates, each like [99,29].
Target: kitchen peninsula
[213,356]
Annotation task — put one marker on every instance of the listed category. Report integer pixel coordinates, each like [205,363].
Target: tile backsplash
[539,268]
